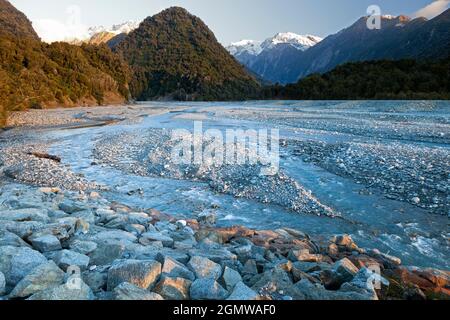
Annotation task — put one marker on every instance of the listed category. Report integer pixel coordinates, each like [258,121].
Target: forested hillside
[34,74]
[402,79]
[174,55]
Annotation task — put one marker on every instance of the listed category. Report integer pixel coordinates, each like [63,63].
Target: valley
[369,188]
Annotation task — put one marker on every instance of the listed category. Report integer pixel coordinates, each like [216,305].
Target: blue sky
[231,20]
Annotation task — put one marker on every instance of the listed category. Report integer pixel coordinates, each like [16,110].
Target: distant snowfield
[254,47]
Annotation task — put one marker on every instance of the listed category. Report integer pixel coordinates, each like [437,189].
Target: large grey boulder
[207,289]
[67,258]
[78,292]
[2,284]
[128,291]
[243,293]
[205,268]
[178,255]
[10,239]
[230,278]
[216,255]
[96,279]
[343,271]
[365,282]
[143,274]
[115,236]
[173,268]
[22,229]
[315,291]
[278,284]
[41,278]
[16,263]
[106,253]
[173,288]
[46,243]
[70,206]
[138,218]
[28,214]
[83,247]
[149,237]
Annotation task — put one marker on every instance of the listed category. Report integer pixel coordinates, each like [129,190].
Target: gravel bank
[418,175]
[148,153]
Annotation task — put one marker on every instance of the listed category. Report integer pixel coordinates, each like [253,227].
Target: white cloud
[53,30]
[433,9]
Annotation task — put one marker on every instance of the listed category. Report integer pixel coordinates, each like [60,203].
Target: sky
[230,20]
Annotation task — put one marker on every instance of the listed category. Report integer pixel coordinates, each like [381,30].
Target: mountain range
[399,38]
[102,34]
[270,59]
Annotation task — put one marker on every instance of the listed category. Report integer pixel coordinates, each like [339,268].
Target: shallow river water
[417,234]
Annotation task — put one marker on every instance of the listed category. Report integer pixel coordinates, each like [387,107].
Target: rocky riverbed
[61,245]
[415,175]
[148,153]
[92,208]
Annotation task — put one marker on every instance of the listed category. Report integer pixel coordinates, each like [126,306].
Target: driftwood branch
[45,156]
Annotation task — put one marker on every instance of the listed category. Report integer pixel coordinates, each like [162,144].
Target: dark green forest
[379,80]
[174,55]
[34,74]
[37,75]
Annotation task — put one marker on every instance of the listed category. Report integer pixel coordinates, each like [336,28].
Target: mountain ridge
[175,55]
[34,74]
[15,23]
[270,58]
[400,37]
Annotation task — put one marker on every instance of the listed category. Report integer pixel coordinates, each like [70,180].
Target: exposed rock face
[358,43]
[418,38]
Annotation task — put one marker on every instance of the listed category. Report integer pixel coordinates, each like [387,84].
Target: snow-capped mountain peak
[300,42]
[249,46]
[116,29]
[254,48]
[125,27]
